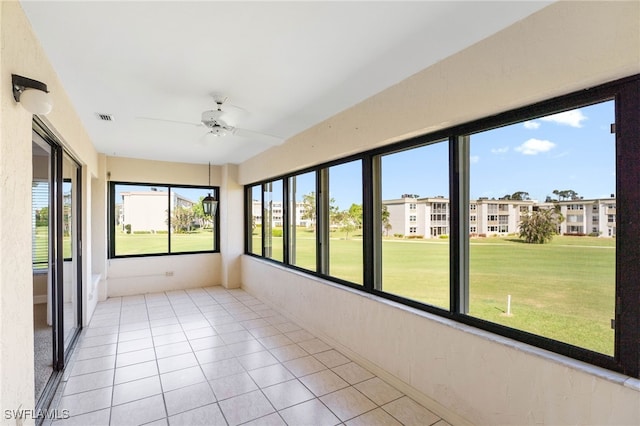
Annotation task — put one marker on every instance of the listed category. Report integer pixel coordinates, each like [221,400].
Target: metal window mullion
[372,223]
[168,220]
[322,221]
[286,222]
[459,217]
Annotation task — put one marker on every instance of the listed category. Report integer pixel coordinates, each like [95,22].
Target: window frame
[626,93]
[112,226]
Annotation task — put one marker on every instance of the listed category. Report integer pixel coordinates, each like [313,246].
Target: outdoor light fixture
[209,203]
[31,94]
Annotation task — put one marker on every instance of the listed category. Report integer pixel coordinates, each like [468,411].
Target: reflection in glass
[273,220]
[302,229]
[70,231]
[415,224]
[191,229]
[345,222]
[141,219]
[560,170]
[256,220]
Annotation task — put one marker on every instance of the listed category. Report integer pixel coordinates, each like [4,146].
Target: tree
[182,219]
[198,214]
[386,224]
[539,226]
[520,196]
[348,220]
[309,208]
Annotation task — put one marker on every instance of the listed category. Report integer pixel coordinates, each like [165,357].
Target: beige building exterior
[146,211]
[413,217]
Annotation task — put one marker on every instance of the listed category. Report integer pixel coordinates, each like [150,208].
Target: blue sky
[571,150]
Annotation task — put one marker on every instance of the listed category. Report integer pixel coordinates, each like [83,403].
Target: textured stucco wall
[564,47]
[21,53]
[485,379]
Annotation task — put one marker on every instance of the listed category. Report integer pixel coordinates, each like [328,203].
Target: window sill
[602,373]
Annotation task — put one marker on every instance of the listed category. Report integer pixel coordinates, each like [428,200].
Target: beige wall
[153,274]
[483,378]
[459,372]
[565,47]
[22,54]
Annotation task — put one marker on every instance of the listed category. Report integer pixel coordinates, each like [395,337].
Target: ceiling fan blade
[187,123]
[260,137]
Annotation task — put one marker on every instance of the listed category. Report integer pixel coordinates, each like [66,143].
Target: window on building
[577,151]
[418,270]
[412,218]
[149,219]
[302,222]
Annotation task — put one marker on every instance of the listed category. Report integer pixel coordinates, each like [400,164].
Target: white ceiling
[289,65]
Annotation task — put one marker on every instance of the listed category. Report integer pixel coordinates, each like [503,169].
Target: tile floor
[213,356]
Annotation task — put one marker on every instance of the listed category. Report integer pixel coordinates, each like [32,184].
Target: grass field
[563,290]
[127,244]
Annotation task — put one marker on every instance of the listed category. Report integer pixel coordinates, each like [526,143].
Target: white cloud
[474,159]
[531,125]
[535,147]
[502,150]
[573,118]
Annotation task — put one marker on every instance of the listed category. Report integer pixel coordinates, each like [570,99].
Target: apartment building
[415,217]
[146,211]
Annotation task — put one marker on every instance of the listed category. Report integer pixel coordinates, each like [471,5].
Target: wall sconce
[31,94]
[209,203]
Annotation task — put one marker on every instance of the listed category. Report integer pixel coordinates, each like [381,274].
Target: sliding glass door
[57,259]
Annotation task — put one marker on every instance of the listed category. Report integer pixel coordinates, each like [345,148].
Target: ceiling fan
[215,121]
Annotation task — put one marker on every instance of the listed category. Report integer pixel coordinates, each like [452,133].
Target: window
[302,224]
[272,220]
[412,218]
[557,299]
[40,224]
[255,227]
[345,222]
[418,270]
[553,158]
[152,219]
[412,206]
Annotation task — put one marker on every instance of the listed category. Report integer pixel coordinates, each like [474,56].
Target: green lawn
[563,290]
[128,244]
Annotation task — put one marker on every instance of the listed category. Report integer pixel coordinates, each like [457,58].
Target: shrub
[398,235]
[127,228]
[162,232]
[444,237]
[276,232]
[141,232]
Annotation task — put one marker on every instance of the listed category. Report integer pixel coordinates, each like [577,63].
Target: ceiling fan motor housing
[212,118]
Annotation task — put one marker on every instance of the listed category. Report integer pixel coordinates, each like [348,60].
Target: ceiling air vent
[104,117]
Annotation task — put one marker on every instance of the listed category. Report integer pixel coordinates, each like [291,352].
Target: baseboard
[41,298]
[434,406]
